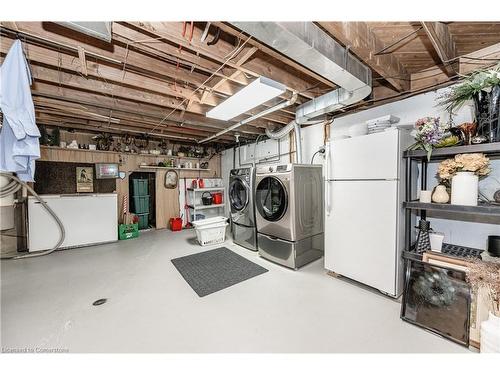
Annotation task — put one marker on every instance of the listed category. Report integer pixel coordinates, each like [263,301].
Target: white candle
[425,196]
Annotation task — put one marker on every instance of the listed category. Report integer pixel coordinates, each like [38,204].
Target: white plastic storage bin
[211,231]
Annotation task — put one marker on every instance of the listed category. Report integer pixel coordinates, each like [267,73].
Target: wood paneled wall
[167,200]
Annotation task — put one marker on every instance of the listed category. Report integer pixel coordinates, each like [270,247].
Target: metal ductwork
[310,46]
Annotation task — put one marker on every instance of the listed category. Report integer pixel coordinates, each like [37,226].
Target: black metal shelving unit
[472,213]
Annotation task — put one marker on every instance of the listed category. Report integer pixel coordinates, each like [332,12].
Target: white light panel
[256,93]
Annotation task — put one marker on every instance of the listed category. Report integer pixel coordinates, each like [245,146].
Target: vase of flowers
[486,275]
[464,171]
[428,133]
[483,88]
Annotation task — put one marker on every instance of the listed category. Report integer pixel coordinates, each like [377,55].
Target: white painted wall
[408,110]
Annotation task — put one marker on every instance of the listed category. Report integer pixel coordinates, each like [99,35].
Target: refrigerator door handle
[327,178]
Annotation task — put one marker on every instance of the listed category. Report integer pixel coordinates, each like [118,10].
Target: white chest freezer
[87,219]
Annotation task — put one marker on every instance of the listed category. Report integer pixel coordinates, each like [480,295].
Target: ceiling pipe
[277,107]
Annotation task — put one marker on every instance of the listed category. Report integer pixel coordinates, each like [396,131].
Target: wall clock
[171,179]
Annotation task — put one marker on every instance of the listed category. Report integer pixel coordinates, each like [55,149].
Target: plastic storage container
[127,231]
[141,204]
[175,224]
[140,186]
[211,231]
[217,198]
[143,221]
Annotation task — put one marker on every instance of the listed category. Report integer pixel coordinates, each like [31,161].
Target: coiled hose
[12,187]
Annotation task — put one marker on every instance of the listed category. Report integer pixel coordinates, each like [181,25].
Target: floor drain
[100,301]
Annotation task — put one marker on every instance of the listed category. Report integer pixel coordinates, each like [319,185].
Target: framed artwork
[480,303]
[171,179]
[84,179]
[438,299]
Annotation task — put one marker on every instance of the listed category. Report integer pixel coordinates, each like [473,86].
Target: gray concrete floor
[47,303]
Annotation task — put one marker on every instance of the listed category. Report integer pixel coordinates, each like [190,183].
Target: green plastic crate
[141,204]
[143,221]
[127,231]
[140,186]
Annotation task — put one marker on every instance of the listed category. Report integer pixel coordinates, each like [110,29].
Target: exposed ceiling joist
[443,43]
[478,59]
[363,43]
[221,81]
[220,52]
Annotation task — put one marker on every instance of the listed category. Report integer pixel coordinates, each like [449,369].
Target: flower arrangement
[481,80]
[481,274]
[428,132]
[477,163]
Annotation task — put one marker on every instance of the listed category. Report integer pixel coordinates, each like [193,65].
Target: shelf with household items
[444,152]
[480,209]
[197,201]
[205,207]
[471,213]
[420,156]
[175,168]
[206,189]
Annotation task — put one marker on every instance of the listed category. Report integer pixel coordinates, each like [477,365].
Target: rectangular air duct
[310,46]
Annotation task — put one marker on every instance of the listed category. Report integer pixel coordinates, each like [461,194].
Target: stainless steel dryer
[289,204]
[241,198]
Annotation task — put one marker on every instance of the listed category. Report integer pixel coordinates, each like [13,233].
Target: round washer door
[271,198]
[238,194]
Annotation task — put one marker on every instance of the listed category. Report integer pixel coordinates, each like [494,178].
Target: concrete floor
[47,303]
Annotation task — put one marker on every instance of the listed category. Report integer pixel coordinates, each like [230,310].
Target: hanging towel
[19,145]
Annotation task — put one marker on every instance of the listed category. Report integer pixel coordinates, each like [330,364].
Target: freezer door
[361,232]
[367,157]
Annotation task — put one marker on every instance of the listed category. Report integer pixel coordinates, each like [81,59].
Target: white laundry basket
[211,231]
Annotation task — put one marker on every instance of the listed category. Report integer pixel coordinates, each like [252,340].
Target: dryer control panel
[274,168]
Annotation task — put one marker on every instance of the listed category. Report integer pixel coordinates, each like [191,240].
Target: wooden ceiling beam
[124,54]
[364,44]
[105,72]
[91,126]
[466,64]
[443,44]
[187,59]
[111,74]
[117,104]
[90,84]
[172,31]
[146,118]
[221,81]
[64,120]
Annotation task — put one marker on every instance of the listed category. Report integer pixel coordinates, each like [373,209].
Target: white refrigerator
[364,224]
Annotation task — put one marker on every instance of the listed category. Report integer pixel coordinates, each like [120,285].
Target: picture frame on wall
[171,179]
[84,179]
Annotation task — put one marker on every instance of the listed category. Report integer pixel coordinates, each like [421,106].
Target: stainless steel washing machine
[289,203]
[241,198]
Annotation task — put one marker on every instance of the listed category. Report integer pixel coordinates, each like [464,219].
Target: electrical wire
[11,188]
[314,155]
[235,52]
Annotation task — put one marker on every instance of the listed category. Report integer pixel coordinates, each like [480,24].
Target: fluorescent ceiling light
[258,92]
